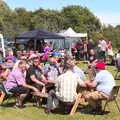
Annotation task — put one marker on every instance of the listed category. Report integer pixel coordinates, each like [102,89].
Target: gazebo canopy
[72,34]
[38,34]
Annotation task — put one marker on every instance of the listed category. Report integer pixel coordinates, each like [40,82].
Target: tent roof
[39,34]
[71,33]
[67,33]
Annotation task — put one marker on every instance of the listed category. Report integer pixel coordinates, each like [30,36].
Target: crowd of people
[55,74]
[82,49]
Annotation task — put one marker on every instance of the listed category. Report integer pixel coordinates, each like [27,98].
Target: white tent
[71,37]
[2,43]
[72,34]
[68,33]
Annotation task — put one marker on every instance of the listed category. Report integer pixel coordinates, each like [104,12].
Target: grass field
[33,113]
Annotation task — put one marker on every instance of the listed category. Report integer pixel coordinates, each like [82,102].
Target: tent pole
[2,43]
[35,44]
[64,43]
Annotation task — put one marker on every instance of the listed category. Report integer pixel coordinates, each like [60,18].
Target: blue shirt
[56,53]
[105,82]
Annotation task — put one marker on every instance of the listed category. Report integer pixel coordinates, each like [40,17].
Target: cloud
[109,18]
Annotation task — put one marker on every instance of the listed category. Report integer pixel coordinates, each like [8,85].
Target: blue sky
[108,11]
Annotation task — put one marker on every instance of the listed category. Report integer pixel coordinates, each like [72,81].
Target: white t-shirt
[103,45]
[105,82]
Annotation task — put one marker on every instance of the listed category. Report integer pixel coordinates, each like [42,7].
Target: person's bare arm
[30,87]
[33,78]
[91,83]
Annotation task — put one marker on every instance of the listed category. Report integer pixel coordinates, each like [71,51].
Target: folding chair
[4,94]
[118,68]
[113,97]
[116,75]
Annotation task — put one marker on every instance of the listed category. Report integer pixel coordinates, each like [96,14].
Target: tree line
[81,19]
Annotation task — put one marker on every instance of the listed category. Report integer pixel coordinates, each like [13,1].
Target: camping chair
[118,68]
[113,97]
[4,94]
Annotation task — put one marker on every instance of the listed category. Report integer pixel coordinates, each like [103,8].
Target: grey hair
[22,63]
[69,64]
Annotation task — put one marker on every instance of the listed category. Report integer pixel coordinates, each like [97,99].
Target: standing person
[103,49]
[51,45]
[109,48]
[118,54]
[90,46]
[110,53]
[30,44]
[47,49]
[104,83]
[79,47]
[85,49]
[73,49]
[92,58]
[117,59]
[66,85]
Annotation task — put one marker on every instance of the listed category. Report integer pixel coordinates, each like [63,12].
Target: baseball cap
[100,65]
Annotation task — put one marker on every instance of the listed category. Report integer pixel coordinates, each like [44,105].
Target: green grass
[33,113]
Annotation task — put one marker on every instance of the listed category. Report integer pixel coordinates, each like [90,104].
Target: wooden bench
[38,96]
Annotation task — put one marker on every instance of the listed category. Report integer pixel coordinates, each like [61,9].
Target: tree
[80,19]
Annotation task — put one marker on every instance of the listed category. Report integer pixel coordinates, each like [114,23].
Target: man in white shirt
[103,45]
[66,85]
[103,49]
[104,83]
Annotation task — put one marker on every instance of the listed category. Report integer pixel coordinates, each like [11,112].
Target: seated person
[10,55]
[15,83]
[78,71]
[9,63]
[51,70]
[66,87]
[91,65]
[22,58]
[104,83]
[4,72]
[34,75]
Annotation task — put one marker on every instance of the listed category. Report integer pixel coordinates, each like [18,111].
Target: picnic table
[38,97]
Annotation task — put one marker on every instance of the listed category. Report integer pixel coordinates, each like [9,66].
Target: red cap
[100,65]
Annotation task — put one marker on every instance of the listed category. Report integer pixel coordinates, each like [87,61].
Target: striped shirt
[66,86]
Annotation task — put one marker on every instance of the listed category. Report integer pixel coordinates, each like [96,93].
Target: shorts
[18,90]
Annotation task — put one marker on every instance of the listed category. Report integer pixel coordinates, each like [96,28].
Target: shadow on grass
[11,104]
[62,112]
[96,113]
